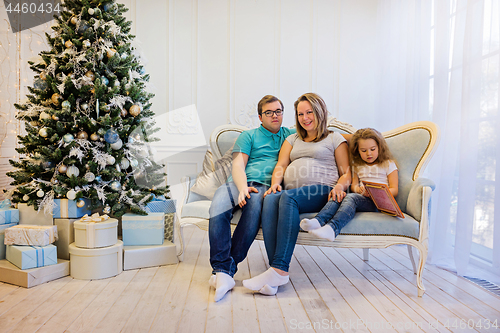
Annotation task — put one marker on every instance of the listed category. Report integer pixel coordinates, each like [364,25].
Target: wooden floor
[330,290]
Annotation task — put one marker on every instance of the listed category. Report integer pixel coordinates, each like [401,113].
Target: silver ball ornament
[91,11]
[44,115]
[117,145]
[89,176]
[115,186]
[43,132]
[26,197]
[106,210]
[134,163]
[84,106]
[110,160]
[124,164]
[71,195]
[86,44]
[72,171]
[68,137]
[40,193]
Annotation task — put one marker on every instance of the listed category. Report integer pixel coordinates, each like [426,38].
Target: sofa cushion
[368,223]
[198,209]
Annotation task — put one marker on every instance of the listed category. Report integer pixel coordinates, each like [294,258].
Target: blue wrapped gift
[161,205]
[67,209]
[27,256]
[7,213]
[143,229]
[2,237]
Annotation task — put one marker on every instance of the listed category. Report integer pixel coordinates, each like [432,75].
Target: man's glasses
[270,113]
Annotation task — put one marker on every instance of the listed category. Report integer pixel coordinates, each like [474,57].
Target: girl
[371,161]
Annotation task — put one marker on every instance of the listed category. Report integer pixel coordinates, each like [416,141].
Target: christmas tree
[88,118]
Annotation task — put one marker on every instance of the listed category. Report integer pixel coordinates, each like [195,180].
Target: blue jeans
[226,252]
[280,220]
[337,217]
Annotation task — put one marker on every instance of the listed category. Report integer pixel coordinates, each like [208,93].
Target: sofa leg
[366,254]
[412,258]
[420,271]
[180,255]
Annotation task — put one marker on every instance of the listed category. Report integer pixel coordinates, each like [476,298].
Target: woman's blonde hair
[320,113]
[384,154]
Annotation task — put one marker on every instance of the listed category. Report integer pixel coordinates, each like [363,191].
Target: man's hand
[244,194]
[273,189]
[337,193]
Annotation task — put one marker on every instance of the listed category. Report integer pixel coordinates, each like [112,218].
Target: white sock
[213,281]
[269,277]
[309,224]
[224,283]
[268,290]
[325,232]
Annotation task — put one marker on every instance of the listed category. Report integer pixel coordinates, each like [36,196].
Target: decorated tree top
[88,118]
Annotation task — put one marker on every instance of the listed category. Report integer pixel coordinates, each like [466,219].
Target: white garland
[119,101]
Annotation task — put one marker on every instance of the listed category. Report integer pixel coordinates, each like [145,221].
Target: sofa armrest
[414,202]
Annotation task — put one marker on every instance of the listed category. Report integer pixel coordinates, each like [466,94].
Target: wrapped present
[66,235]
[2,236]
[66,208]
[28,215]
[150,255]
[25,257]
[28,278]
[8,214]
[95,231]
[167,206]
[38,235]
[143,229]
[101,263]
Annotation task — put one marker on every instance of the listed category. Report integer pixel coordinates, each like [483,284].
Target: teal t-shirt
[262,148]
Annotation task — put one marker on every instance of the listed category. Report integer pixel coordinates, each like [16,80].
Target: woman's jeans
[227,252]
[337,217]
[280,220]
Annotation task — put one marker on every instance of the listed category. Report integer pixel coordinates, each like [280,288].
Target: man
[255,154]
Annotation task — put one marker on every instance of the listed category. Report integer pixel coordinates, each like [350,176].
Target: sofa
[412,146]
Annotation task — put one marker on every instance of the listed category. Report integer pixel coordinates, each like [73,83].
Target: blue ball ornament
[111,136]
[104,80]
[68,138]
[40,84]
[98,179]
[115,186]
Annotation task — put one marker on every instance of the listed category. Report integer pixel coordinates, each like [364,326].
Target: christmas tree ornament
[101,131]
[92,90]
[124,55]
[26,197]
[106,210]
[66,105]
[47,164]
[110,53]
[98,179]
[55,98]
[104,80]
[43,76]
[117,145]
[83,27]
[54,117]
[90,75]
[134,163]
[72,171]
[105,107]
[116,83]
[86,44]
[82,135]
[142,71]
[40,193]
[34,123]
[40,84]
[68,44]
[85,106]
[115,186]
[91,11]
[94,137]
[123,113]
[43,132]
[68,138]
[89,176]
[110,160]
[63,168]
[111,136]
[80,203]
[54,181]
[44,116]
[118,168]
[134,110]
[124,163]
[71,195]
[74,20]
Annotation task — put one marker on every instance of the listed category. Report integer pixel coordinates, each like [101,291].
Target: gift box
[25,257]
[28,278]
[28,215]
[8,214]
[167,206]
[147,256]
[38,235]
[66,235]
[66,208]
[143,229]
[101,263]
[95,231]
[2,237]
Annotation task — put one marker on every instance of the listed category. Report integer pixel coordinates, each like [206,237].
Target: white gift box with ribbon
[90,264]
[96,231]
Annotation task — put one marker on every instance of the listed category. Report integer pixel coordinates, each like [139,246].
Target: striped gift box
[26,257]
[9,215]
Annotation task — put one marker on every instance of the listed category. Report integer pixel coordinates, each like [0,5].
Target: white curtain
[440,61]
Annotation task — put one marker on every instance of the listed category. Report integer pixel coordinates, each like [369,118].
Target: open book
[383,199]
